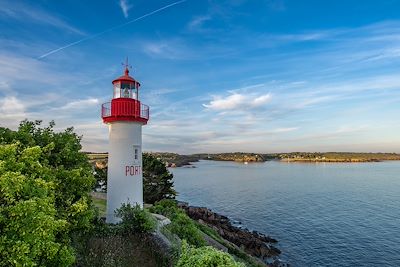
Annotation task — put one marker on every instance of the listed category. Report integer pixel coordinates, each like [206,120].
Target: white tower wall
[125,176]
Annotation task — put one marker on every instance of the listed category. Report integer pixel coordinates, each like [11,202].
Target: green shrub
[204,257]
[166,207]
[135,219]
[181,224]
[184,227]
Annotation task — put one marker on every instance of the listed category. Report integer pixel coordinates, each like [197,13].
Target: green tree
[157,180]
[28,223]
[68,172]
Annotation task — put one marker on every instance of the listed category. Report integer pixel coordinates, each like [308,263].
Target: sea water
[323,214]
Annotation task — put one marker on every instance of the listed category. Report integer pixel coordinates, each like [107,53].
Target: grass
[101,205]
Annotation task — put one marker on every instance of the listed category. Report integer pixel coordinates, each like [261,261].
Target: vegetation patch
[205,257]
[181,224]
[44,193]
[135,220]
[101,205]
[123,250]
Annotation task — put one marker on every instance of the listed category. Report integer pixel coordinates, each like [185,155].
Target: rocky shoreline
[252,242]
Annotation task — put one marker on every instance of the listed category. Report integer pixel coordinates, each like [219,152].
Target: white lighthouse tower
[125,116]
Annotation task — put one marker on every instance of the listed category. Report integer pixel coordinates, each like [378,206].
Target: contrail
[110,29]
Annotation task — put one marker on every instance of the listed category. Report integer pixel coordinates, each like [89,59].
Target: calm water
[322,214]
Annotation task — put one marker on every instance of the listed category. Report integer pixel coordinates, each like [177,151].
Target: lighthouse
[125,115]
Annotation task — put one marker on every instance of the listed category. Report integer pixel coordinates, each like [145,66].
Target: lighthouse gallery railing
[125,108]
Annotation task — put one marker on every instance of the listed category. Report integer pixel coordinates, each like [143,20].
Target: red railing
[125,108]
[106,110]
[144,111]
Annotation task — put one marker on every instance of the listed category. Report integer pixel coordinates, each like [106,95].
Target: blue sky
[219,76]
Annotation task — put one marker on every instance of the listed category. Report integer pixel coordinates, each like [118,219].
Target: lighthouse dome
[126,78]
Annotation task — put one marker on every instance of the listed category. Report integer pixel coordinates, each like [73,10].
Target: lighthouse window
[117,91]
[136,153]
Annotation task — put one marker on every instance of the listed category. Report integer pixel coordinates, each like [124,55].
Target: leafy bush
[181,224]
[204,257]
[135,219]
[184,227]
[28,223]
[166,207]
[71,171]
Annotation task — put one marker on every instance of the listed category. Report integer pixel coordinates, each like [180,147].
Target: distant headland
[177,160]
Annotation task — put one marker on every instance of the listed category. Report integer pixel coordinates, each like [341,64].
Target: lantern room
[125,104]
[126,87]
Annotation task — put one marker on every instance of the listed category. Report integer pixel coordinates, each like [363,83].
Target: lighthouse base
[124,178]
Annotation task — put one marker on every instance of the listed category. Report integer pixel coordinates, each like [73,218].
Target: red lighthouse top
[125,105]
[126,77]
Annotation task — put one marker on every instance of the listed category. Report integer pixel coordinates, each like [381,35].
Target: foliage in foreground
[44,195]
[135,219]
[205,257]
[28,223]
[181,224]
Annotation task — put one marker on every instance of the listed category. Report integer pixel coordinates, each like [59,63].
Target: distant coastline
[349,160]
[176,160]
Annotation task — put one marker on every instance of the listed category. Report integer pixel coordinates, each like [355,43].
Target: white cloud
[12,111]
[10,105]
[197,22]
[4,86]
[125,6]
[261,100]
[19,11]
[228,103]
[285,130]
[16,68]
[237,101]
[80,104]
